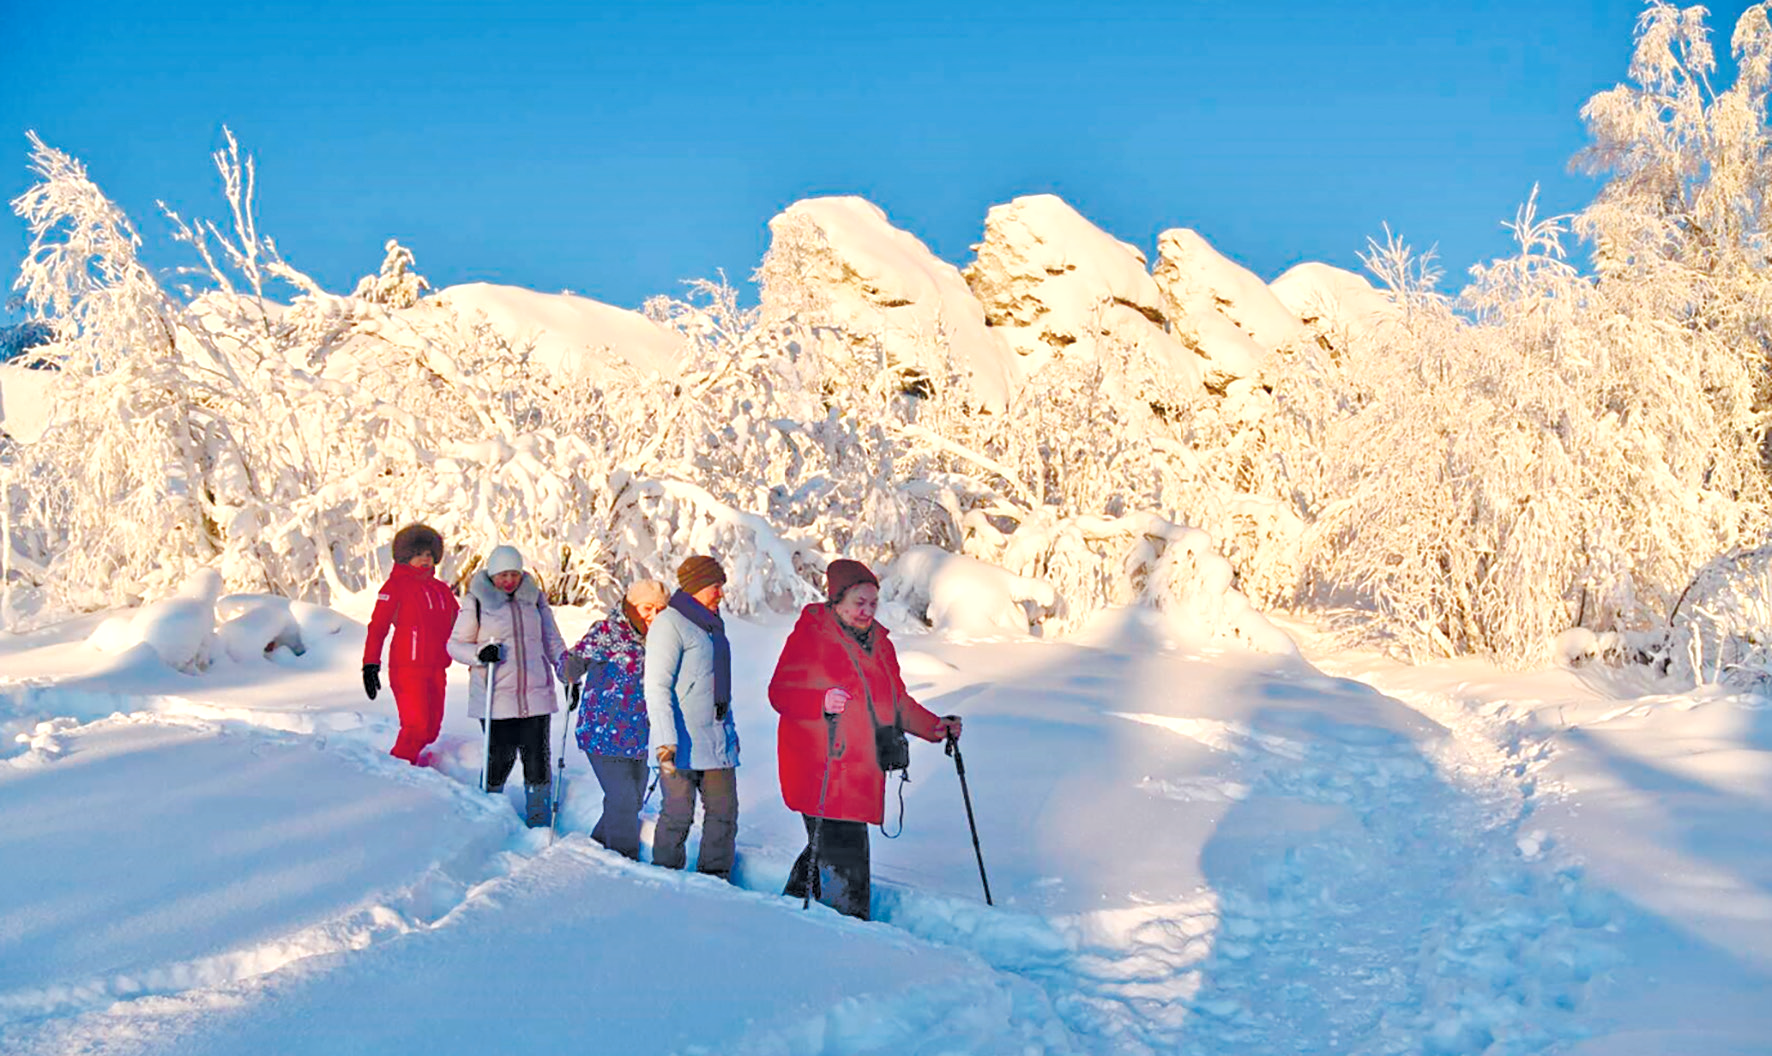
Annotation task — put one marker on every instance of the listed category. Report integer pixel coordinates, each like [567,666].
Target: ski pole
[573,693]
[486,735]
[953,749]
[824,786]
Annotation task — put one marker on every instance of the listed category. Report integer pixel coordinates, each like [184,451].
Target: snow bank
[839,263]
[571,334]
[1051,282]
[963,596]
[180,629]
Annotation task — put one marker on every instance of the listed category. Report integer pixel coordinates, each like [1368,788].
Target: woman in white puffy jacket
[506,618]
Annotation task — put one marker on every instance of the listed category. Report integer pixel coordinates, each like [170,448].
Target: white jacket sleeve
[464,639]
[664,654]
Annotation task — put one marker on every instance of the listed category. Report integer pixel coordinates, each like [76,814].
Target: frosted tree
[397,285]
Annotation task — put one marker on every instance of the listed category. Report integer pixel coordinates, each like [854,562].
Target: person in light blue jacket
[688,683]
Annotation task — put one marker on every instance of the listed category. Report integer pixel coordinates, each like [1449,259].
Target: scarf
[865,639]
[700,615]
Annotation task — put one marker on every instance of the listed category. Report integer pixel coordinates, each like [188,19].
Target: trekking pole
[830,749]
[573,693]
[953,749]
[486,734]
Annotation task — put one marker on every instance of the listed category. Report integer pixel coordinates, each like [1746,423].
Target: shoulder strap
[851,649]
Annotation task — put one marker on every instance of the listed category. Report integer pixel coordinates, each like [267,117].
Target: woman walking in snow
[420,609]
[612,727]
[689,706]
[838,690]
[506,619]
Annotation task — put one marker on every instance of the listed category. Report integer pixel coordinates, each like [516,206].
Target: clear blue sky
[614,148]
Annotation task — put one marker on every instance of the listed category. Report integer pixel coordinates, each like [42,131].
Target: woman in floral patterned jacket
[612,727]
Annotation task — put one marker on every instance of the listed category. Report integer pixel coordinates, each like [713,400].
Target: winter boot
[539,812]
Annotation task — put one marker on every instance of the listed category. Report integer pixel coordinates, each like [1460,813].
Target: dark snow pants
[528,736]
[719,819]
[843,882]
[624,787]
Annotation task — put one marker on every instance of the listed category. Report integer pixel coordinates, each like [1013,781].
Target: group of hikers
[656,680]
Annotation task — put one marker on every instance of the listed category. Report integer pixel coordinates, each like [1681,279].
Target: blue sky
[614,148]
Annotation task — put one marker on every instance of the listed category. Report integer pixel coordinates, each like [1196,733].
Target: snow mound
[960,595]
[1333,301]
[1052,282]
[180,629]
[254,625]
[24,401]
[571,334]
[1220,308]
[840,263]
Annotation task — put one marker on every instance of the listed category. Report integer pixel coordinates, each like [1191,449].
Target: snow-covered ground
[1192,851]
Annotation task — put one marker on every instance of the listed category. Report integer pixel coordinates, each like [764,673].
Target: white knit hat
[503,559]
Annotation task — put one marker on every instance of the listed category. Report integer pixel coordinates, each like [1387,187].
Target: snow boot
[538,804]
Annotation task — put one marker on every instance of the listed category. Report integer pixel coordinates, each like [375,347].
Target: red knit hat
[844,574]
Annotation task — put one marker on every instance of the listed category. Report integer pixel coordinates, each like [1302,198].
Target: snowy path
[1216,855]
[1350,898]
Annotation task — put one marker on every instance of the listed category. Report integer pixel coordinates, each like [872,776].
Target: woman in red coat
[837,682]
[420,609]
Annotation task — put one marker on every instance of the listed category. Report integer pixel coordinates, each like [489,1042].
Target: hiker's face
[508,581]
[423,560]
[648,611]
[858,606]
[710,597]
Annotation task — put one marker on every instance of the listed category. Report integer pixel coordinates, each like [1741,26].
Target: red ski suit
[420,608]
[820,655]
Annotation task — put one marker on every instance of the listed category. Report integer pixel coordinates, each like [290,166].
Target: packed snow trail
[1214,854]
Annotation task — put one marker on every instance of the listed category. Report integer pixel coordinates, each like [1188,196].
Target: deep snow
[1193,851]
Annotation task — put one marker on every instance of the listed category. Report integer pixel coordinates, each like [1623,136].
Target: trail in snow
[1210,855]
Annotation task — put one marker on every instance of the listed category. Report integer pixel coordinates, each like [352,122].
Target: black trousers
[529,737]
[843,882]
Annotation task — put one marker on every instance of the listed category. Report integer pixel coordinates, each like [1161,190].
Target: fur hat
[648,590]
[698,573]
[416,539]
[844,574]
[503,559]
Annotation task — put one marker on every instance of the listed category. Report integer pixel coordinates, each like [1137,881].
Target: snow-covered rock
[179,629]
[840,263]
[1052,282]
[1221,309]
[571,334]
[1333,302]
[964,596]
[254,625]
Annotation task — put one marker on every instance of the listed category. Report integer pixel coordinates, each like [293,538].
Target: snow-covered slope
[570,334]
[1273,860]
[839,262]
[1220,308]
[1331,300]
[1052,282]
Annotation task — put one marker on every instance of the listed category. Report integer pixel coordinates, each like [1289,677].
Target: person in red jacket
[836,684]
[420,609]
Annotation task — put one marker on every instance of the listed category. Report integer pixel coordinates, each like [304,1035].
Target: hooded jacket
[820,655]
[524,623]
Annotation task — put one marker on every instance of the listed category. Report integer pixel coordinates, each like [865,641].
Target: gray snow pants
[719,819]
[624,787]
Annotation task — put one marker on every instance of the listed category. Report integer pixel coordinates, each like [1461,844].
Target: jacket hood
[489,596]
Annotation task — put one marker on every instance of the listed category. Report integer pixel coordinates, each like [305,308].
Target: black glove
[372,679]
[491,653]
